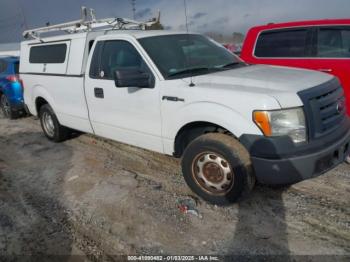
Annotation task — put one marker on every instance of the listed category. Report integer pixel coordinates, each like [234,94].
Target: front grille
[324,107]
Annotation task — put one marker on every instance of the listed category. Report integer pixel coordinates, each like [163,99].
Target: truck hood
[282,83]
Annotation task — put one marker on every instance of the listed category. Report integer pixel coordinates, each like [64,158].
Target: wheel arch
[40,97]
[201,118]
[192,130]
[39,102]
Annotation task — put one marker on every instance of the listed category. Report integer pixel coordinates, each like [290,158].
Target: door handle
[326,70]
[173,98]
[99,92]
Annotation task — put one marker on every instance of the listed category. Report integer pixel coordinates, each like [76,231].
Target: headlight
[290,122]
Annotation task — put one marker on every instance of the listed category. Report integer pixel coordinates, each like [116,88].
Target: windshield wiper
[190,71]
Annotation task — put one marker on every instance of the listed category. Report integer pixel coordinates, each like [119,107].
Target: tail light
[15,79]
[12,78]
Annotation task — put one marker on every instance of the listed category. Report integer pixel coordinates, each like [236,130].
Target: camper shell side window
[48,58]
[48,54]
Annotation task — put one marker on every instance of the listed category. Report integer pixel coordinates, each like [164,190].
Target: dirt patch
[32,219]
[103,198]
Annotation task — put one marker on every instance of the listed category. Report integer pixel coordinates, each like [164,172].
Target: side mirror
[133,78]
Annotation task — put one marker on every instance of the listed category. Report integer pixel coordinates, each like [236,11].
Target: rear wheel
[6,108]
[217,168]
[53,130]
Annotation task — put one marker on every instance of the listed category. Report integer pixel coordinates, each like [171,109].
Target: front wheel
[53,130]
[217,168]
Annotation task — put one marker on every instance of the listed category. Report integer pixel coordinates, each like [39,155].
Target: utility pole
[133,5]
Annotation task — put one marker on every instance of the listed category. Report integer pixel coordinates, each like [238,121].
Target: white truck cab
[183,94]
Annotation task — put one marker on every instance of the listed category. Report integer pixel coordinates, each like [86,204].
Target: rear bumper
[279,161]
[17,105]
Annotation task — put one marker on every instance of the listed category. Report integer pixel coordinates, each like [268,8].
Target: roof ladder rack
[89,22]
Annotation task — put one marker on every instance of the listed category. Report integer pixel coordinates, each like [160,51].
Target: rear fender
[40,91]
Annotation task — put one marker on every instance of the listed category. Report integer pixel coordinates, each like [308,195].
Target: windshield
[183,55]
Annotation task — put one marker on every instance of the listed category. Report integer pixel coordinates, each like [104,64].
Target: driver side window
[115,55]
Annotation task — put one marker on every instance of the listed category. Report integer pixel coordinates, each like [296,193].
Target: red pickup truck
[322,45]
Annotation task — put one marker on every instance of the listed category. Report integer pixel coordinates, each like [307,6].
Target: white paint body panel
[76,58]
[141,117]
[64,94]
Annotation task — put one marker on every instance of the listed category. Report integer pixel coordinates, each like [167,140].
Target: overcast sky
[224,16]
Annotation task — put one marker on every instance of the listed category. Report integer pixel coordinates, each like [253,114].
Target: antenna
[133,5]
[188,38]
[22,14]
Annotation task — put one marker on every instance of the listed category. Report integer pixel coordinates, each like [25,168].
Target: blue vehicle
[11,88]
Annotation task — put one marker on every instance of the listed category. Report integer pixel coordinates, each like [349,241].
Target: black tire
[230,155]
[6,108]
[59,133]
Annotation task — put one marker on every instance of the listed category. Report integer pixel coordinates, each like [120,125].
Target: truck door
[127,114]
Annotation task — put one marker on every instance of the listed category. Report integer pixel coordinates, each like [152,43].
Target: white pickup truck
[183,94]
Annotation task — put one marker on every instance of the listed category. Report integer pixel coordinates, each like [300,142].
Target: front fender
[210,112]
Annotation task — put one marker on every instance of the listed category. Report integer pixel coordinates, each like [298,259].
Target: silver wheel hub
[48,124]
[213,173]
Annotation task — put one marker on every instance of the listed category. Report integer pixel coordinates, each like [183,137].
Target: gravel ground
[97,199]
